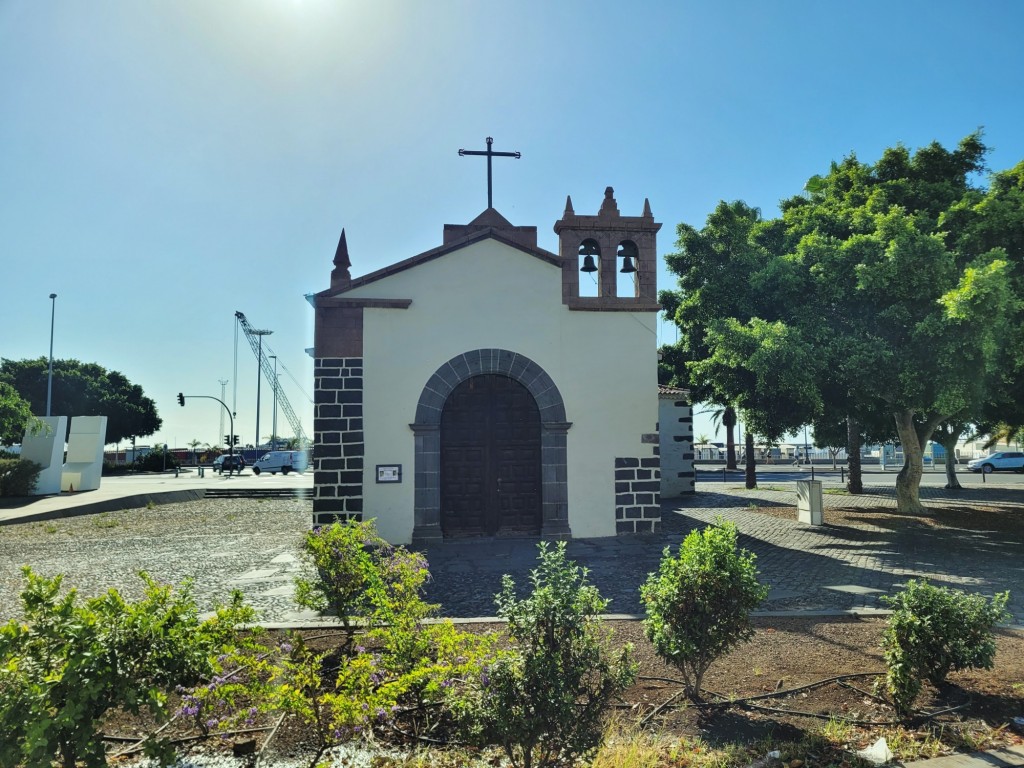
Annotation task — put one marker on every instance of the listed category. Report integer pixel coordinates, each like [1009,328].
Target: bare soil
[785,653]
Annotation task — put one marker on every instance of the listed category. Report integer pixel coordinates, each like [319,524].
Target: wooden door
[490,459]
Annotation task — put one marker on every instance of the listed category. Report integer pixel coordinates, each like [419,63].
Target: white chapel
[471,390]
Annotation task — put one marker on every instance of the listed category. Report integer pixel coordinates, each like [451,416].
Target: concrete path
[138,490]
[1006,757]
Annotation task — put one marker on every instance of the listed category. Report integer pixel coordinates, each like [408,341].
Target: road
[768,473]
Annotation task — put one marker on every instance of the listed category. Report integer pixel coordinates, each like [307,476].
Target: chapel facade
[476,390]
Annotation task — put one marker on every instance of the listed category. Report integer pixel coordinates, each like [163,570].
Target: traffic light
[181,399]
[227,439]
[236,440]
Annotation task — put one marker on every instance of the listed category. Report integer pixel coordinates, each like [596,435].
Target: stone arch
[427,434]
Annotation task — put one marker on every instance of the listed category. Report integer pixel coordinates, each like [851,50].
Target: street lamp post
[259,379]
[273,429]
[49,375]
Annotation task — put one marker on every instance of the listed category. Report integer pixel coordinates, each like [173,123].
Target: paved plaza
[253,545]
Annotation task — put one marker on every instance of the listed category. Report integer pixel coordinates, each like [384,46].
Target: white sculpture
[46,448]
[84,465]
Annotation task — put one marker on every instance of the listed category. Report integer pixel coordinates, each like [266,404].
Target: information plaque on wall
[389,473]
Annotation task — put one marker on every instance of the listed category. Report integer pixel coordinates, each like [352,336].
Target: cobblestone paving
[253,545]
[807,567]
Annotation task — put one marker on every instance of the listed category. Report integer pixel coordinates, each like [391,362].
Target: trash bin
[809,504]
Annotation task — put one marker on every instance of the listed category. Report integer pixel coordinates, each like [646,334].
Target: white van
[281,461]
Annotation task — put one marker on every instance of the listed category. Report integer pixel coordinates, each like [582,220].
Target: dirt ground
[785,653]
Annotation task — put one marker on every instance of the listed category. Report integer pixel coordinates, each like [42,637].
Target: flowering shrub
[934,631]
[350,561]
[68,663]
[544,702]
[699,603]
[399,665]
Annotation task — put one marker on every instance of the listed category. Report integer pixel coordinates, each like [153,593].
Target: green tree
[15,414]
[916,310]
[734,348]
[881,290]
[85,389]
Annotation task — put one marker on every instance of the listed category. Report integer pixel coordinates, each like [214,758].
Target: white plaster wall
[489,295]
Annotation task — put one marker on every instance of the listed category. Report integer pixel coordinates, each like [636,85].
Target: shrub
[347,558]
[699,603]
[934,631]
[544,702]
[18,477]
[67,663]
[111,468]
[155,461]
[408,667]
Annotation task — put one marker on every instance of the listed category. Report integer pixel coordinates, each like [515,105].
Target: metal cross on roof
[489,154]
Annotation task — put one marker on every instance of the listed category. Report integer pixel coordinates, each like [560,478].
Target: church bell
[627,252]
[588,250]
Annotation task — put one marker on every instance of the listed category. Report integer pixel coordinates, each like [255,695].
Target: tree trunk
[751,471]
[729,420]
[908,481]
[68,758]
[856,483]
[952,481]
[949,444]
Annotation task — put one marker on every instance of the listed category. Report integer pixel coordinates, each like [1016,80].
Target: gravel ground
[248,544]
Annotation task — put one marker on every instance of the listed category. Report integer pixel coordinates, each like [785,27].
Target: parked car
[1003,461]
[225,463]
[281,461]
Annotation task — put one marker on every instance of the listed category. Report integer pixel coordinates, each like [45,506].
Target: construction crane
[268,371]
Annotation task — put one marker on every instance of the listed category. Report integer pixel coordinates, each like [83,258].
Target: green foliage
[699,603]
[18,476]
[84,389]
[934,631]
[888,292]
[406,666]
[155,461]
[68,662]
[15,414]
[347,559]
[544,702]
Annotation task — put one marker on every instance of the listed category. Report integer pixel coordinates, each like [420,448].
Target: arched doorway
[490,459]
[427,437]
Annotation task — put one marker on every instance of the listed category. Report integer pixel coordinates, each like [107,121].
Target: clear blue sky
[165,163]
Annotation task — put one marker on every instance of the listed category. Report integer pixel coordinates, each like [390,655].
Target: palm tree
[726,416]
[193,444]
[1004,433]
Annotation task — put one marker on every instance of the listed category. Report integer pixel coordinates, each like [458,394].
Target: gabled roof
[488,225]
